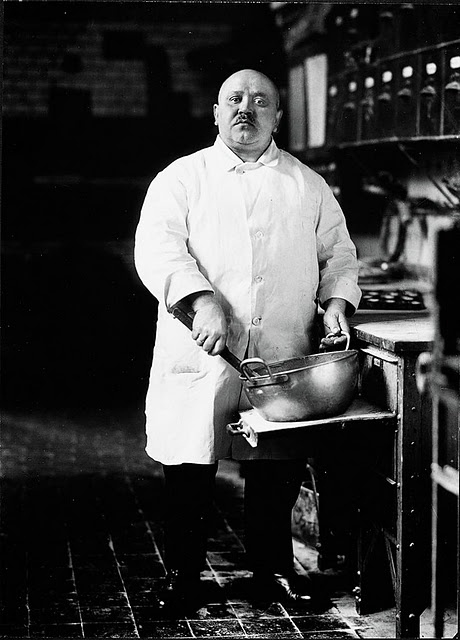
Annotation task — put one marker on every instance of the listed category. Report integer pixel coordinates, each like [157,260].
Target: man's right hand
[209,324]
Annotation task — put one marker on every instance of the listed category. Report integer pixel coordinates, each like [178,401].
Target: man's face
[247,113]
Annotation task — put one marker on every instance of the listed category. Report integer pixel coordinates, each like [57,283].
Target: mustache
[245,117]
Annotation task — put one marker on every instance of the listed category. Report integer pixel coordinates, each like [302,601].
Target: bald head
[247,113]
[252,74]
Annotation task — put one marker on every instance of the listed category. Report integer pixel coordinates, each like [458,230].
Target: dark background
[78,326]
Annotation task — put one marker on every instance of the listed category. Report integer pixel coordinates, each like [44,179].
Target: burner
[392,300]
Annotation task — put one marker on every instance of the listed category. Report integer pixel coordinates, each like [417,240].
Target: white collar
[229,160]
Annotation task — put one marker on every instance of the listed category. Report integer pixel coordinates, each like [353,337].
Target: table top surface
[395,333]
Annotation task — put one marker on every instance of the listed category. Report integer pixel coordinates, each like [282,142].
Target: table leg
[413,503]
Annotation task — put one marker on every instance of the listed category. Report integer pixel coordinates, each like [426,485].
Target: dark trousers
[189,494]
[270,493]
[271,490]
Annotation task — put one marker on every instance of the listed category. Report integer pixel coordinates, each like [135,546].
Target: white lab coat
[268,260]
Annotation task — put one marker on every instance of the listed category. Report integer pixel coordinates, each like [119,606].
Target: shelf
[360,410]
[326,154]
[395,140]
[381,60]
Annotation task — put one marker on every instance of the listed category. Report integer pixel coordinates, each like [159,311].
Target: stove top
[392,301]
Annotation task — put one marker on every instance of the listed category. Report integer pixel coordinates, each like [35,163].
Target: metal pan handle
[342,333]
[249,374]
[185,317]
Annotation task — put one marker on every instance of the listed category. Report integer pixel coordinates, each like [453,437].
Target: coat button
[258,278]
[259,234]
[257,320]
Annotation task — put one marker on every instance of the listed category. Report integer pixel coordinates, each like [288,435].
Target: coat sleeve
[161,256]
[338,265]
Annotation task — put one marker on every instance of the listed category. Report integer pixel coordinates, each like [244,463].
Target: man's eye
[260,102]
[235,99]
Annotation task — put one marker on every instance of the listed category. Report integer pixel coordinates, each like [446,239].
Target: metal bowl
[311,387]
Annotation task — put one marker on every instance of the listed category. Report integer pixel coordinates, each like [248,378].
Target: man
[252,241]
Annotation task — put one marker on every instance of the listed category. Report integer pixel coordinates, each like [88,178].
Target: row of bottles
[387,29]
[414,94]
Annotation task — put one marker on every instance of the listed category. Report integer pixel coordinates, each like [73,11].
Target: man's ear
[215,110]
[279,115]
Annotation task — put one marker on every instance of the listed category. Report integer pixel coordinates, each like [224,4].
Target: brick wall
[70,55]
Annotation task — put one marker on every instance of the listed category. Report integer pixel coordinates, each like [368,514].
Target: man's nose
[245,105]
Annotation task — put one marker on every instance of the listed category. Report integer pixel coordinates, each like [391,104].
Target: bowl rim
[260,380]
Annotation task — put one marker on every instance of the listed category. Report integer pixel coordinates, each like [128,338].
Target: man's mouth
[244,120]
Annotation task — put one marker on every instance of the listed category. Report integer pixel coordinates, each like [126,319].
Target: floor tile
[227,560]
[319,623]
[141,597]
[133,542]
[147,613]
[110,630]
[106,579]
[329,635]
[14,615]
[140,566]
[54,614]
[56,631]
[8,631]
[103,600]
[270,626]
[52,577]
[88,562]
[177,630]
[82,538]
[106,614]
[218,628]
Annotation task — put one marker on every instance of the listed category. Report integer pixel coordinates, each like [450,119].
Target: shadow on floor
[82,542]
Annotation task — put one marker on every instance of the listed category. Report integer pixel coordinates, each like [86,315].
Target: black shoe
[180,595]
[283,588]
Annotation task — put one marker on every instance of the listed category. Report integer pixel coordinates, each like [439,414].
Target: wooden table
[399,513]
[390,348]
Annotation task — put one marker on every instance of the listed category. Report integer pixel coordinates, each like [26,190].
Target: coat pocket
[174,361]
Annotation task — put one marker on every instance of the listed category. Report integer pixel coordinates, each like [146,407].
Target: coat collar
[228,161]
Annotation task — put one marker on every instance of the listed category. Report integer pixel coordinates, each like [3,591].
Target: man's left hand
[335,324]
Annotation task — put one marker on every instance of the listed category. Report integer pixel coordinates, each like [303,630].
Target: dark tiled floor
[81,542]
